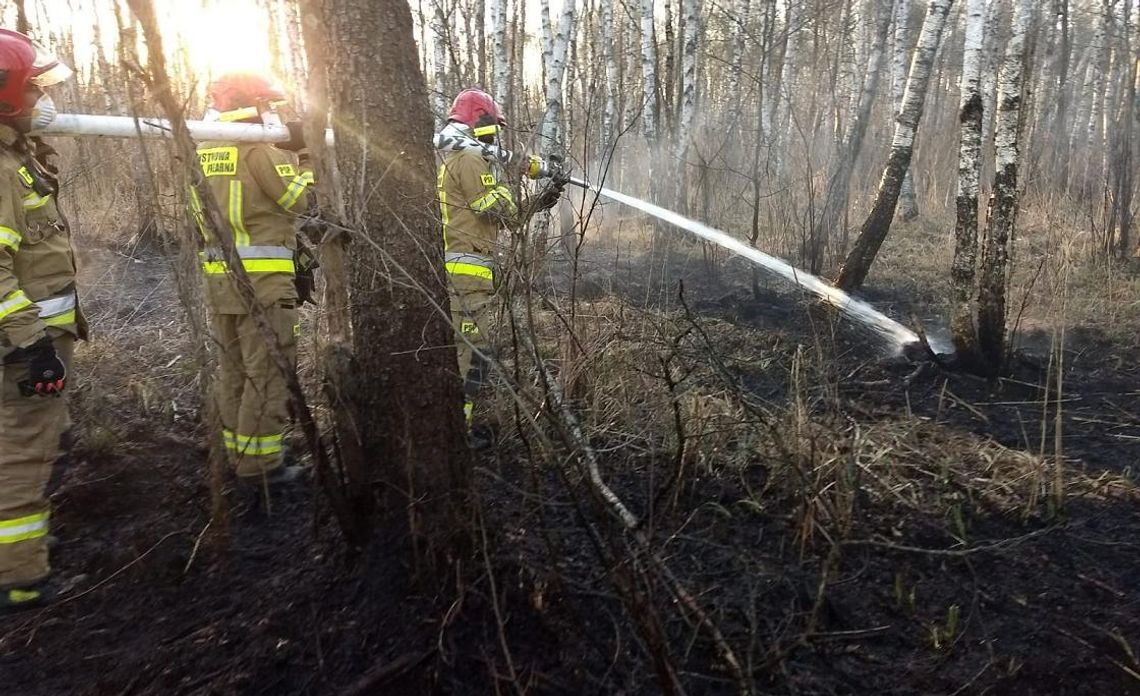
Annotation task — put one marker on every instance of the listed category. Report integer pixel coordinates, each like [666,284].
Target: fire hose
[273,131]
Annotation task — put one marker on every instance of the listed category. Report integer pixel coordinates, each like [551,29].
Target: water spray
[898,336]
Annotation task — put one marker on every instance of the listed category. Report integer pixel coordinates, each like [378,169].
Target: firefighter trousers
[472,310]
[31,432]
[251,392]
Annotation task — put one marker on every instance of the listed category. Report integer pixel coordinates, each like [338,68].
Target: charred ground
[851,524]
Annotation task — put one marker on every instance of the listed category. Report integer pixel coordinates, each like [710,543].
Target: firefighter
[39,319]
[261,189]
[475,203]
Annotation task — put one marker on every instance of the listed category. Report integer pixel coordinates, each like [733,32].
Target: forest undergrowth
[803,514]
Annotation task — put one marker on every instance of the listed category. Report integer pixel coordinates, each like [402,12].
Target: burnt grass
[966,596]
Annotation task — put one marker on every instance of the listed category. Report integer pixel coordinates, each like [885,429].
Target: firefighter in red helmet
[475,203]
[261,189]
[39,318]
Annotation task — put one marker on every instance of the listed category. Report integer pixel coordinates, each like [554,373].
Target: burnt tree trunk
[1002,214]
[878,222]
[962,270]
[406,400]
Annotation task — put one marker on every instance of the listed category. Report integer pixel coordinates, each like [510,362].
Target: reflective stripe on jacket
[473,203]
[259,190]
[37,264]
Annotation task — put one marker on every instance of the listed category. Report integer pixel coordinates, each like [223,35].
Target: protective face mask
[43,113]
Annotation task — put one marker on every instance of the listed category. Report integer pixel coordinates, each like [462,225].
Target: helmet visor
[47,69]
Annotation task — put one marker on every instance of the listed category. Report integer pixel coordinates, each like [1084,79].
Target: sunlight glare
[220,37]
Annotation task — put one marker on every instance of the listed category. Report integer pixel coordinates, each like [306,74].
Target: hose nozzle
[554,167]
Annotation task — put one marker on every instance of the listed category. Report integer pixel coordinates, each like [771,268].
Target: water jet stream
[895,333]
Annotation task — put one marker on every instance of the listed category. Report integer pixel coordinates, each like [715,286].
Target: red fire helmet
[24,62]
[477,110]
[240,95]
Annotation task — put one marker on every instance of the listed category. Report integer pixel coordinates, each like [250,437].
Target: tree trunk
[648,76]
[609,111]
[878,222]
[966,227]
[407,401]
[839,183]
[688,106]
[502,55]
[908,201]
[1002,212]
[439,89]
[1123,166]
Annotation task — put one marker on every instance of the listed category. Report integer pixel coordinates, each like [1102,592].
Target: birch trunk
[878,222]
[502,56]
[1120,169]
[554,61]
[839,183]
[1002,212]
[555,51]
[966,226]
[648,75]
[742,10]
[688,95]
[609,111]
[439,90]
[908,202]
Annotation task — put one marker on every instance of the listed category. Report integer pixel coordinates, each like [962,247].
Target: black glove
[559,172]
[46,373]
[296,141]
[548,197]
[305,263]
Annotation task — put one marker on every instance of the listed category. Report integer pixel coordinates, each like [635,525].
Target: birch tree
[688,96]
[878,222]
[609,111]
[966,226]
[839,183]
[1002,213]
[502,55]
[554,62]
[648,74]
[439,62]
[908,202]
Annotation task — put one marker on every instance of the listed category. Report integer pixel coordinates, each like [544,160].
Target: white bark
[439,63]
[648,72]
[908,203]
[915,92]
[1095,89]
[555,68]
[741,13]
[971,135]
[609,112]
[691,9]
[1003,199]
[502,56]
[970,115]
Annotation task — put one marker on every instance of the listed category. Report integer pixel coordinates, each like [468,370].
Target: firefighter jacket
[37,263]
[259,190]
[474,202]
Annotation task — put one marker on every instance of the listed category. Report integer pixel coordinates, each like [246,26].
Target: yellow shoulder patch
[26,176]
[219,161]
[286,170]
[487,179]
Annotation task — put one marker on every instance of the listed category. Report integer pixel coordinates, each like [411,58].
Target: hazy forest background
[702,481]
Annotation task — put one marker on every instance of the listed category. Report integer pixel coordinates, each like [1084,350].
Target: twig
[979,548]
